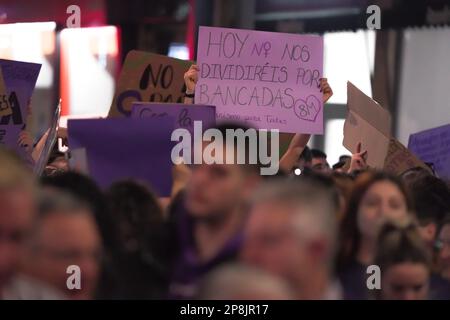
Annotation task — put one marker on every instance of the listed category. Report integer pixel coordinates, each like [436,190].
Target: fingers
[192,74]
[358,148]
[364,155]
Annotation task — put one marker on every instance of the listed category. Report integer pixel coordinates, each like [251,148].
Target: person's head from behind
[64,234]
[377,197]
[305,159]
[291,232]
[413,174]
[57,162]
[17,208]
[242,282]
[431,201]
[216,189]
[136,213]
[319,161]
[443,245]
[344,184]
[404,262]
[85,188]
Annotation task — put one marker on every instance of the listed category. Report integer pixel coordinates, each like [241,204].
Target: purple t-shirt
[188,269]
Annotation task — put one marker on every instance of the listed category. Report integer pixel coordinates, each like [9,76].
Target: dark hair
[338,165]
[134,205]
[85,189]
[350,235]
[397,244]
[400,244]
[344,158]
[224,126]
[431,199]
[316,153]
[306,155]
[324,181]
[54,154]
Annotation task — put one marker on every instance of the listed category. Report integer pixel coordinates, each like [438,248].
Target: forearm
[295,149]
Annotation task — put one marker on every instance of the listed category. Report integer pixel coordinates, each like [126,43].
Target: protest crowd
[314,230]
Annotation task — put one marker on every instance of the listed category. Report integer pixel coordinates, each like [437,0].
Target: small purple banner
[20,79]
[433,146]
[121,148]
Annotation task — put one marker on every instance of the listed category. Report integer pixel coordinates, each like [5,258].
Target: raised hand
[358,160]
[191,78]
[325,89]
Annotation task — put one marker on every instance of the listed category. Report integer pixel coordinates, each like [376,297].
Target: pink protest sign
[269,80]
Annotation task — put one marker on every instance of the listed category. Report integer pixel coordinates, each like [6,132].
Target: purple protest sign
[269,80]
[433,146]
[184,115]
[19,79]
[120,148]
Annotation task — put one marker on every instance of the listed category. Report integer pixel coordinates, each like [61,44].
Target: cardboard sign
[19,79]
[399,159]
[269,80]
[183,114]
[148,77]
[433,146]
[369,123]
[126,148]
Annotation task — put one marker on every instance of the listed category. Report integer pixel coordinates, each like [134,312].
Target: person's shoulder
[439,287]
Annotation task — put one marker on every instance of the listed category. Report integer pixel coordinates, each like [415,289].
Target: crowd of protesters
[227,232]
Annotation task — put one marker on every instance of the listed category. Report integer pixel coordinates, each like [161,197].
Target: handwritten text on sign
[148,77]
[270,80]
[433,146]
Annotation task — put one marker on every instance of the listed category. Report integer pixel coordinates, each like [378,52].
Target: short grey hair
[236,280]
[312,203]
[54,201]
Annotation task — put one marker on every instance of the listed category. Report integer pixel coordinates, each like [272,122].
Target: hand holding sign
[191,78]
[326,90]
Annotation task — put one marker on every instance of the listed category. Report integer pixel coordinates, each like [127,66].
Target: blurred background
[404,65]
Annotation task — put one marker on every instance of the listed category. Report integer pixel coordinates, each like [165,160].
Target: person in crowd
[291,232]
[432,201]
[319,161]
[238,281]
[431,198]
[443,244]
[64,241]
[208,217]
[404,262]
[344,158]
[413,174]
[377,197]
[57,162]
[304,162]
[339,166]
[140,260]
[84,188]
[344,187]
[17,211]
